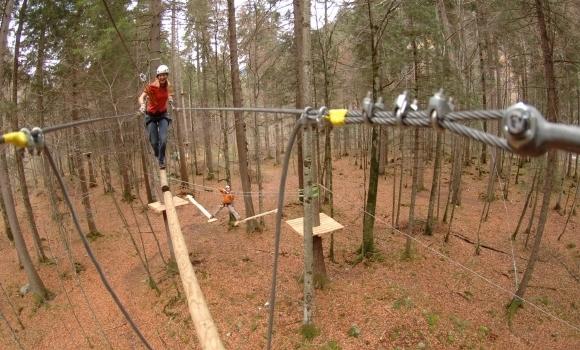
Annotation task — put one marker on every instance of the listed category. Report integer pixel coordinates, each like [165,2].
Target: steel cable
[89,251]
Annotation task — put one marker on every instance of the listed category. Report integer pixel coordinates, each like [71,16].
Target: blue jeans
[157,128]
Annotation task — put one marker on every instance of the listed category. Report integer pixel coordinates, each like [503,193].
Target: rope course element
[525,132]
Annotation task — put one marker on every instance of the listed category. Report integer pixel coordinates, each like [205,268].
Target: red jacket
[157,97]
[228,197]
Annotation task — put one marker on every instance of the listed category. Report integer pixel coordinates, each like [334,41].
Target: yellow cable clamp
[16,138]
[337,117]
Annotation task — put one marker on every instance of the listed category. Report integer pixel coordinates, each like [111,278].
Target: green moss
[354,331]
[432,319]
[331,345]
[309,331]
[403,302]
[93,236]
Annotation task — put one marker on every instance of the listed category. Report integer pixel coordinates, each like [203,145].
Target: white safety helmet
[228,187]
[162,69]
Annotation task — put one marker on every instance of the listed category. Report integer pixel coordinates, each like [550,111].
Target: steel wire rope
[89,250]
[244,109]
[473,272]
[66,244]
[216,189]
[284,175]
[110,15]
[11,306]
[12,332]
[514,263]
[54,128]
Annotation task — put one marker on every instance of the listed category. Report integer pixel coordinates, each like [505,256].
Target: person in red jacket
[227,202]
[153,103]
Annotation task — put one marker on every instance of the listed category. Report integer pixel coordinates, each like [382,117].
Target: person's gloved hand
[142,108]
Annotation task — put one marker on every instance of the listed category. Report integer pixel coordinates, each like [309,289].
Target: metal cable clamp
[439,106]
[403,106]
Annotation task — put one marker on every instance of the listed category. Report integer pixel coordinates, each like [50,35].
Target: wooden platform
[159,207]
[327,224]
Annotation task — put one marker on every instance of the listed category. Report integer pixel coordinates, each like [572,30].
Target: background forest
[447,242]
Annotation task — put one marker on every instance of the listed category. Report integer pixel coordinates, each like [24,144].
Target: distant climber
[153,103]
[227,202]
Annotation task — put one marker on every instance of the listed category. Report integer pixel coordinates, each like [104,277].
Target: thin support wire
[475,273]
[12,332]
[515,266]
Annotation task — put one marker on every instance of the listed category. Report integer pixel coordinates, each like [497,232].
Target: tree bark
[240,124]
[36,284]
[550,78]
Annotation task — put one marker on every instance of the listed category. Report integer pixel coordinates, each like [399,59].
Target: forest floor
[444,297]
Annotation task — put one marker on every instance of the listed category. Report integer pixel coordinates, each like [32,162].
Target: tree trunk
[411,225]
[155,37]
[20,153]
[206,121]
[434,186]
[240,125]
[178,90]
[223,116]
[550,79]
[36,284]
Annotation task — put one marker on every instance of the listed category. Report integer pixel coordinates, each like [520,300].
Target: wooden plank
[199,206]
[327,224]
[159,207]
[256,216]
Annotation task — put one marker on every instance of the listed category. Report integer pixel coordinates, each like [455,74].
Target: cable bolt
[367,107]
[37,137]
[403,106]
[522,124]
[517,121]
[439,106]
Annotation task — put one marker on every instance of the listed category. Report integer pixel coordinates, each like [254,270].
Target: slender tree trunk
[434,186]
[240,124]
[20,153]
[550,79]
[206,121]
[411,225]
[572,208]
[179,117]
[526,204]
[36,284]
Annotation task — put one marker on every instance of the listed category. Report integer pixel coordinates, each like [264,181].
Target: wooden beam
[159,207]
[199,206]
[255,216]
[198,310]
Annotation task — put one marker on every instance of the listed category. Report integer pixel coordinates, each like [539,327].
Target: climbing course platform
[327,225]
[159,207]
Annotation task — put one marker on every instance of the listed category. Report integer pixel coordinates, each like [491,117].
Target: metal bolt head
[517,122]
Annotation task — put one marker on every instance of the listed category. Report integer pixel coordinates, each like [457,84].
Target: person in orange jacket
[227,202]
